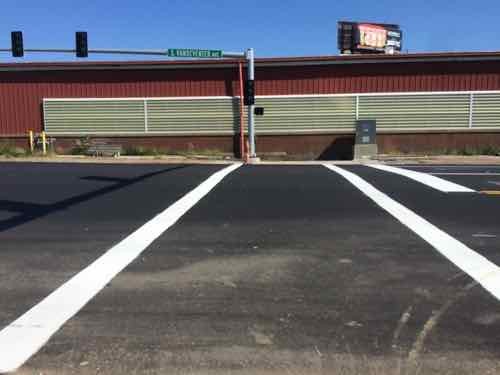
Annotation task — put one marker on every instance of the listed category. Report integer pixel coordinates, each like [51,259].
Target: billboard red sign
[371,36]
[354,37]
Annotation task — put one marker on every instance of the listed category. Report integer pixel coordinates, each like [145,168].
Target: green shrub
[484,150]
[490,150]
[466,151]
[81,146]
[78,150]
[10,150]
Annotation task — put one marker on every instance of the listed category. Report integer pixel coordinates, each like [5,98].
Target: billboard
[357,37]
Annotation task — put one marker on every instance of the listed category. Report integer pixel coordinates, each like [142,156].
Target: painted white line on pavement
[426,179]
[464,174]
[26,335]
[443,166]
[475,265]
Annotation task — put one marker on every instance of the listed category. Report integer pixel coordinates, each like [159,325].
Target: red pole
[242,126]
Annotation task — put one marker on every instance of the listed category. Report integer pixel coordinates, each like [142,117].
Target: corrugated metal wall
[218,115]
[94,116]
[21,93]
[283,114]
[180,116]
[486,110]
[417,111]
[366,78]
[305,114]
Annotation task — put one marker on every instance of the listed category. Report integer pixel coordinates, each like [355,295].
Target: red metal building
[24,86]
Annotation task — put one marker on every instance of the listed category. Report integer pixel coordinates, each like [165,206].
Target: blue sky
[272,27]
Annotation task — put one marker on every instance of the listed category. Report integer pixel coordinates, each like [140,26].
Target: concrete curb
[119,160]
[440,159]
[200,159]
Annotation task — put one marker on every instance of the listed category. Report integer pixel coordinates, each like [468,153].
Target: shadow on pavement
[32,211]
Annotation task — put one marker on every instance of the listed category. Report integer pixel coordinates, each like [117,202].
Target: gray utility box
[366,140]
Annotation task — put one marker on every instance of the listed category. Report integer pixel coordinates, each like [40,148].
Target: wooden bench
[102,148]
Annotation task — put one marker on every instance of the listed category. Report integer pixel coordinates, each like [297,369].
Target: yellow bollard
[32,141]
[44,143]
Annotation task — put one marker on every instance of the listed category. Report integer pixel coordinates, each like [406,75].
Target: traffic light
[249,94]
[17,43]
[82,49]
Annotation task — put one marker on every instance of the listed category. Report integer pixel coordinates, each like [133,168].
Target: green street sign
[197,53]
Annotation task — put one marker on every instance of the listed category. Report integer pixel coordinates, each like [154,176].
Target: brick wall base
[304,147]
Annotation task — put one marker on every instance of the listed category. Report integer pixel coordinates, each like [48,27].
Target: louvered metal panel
[306,114]
[283,114]
[94,116]
[193,116]
[416,111]
[486,110]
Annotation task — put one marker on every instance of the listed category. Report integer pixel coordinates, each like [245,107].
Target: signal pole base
[253,160]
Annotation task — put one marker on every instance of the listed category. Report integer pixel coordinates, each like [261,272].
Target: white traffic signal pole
[251,119]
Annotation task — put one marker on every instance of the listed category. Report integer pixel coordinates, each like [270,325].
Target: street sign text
[197,53]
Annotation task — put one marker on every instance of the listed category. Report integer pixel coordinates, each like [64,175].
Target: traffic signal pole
[242,113]
[251,119]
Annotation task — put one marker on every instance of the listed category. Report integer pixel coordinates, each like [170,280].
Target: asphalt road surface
[272,270]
